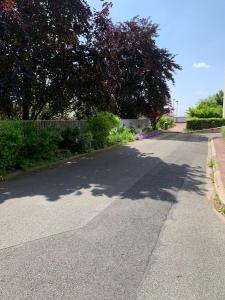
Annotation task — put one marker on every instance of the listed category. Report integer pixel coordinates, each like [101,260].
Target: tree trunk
[25,111]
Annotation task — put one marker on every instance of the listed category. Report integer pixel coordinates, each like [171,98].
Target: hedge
[24,145]
[198,124]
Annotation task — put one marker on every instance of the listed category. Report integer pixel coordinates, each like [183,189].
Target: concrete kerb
[218,182]
[52,165]
[210,130]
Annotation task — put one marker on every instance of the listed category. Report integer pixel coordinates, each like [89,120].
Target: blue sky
[195,31]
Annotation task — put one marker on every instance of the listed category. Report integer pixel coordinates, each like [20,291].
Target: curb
[53,165]
[218,182]
[210,130]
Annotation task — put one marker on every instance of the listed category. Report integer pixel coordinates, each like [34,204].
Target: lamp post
[177,111]
[173,114]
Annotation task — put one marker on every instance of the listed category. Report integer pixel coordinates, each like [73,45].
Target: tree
[133,69]
[40,54]
[57,57]
[211,107]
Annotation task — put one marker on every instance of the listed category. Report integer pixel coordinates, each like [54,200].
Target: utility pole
[177,111]
[173,110]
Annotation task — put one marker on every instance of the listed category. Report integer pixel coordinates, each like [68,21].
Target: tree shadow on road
[122,172]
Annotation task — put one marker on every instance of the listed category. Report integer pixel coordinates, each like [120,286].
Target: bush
[121,134]
[39,144]
[205,112]
[85,141]
[101,126]
[163,120]
[11,142]
[70,139]
[198,124]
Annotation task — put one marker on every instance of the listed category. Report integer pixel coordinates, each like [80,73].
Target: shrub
[205,112]
[100,126]
[198,124]
[121,134]
[85,141]
[163,120]
[11,141]
[70,139]
[39,144]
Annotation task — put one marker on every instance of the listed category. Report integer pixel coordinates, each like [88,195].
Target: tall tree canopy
[133,69]
[57,56]
[40,51]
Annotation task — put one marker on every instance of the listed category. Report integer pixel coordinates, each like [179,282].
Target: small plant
[161,123]
[121,135]
[212,177]
[222,210]
[211,163]
[219,205]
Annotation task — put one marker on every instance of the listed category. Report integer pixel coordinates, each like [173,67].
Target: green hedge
[198,124]
[24,145]
[163,120]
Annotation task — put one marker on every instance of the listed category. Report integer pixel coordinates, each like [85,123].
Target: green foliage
[38,144]
[24,145]
[211,107]
[198,124]
[85,141]
[163,120]
[211,163]
[11,141]
[101,126]
[121,134]
[70,139]
[205,112]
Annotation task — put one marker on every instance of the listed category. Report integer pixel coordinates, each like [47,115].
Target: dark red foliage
[134,70]
[7,5]
[40,53]
[56,56]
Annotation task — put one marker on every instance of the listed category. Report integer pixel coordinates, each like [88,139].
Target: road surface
[133,222]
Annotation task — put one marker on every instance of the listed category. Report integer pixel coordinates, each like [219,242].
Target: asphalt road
[133,222]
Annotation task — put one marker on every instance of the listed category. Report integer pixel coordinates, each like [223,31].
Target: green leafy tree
[211,107]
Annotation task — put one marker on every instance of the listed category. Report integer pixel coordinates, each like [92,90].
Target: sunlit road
[133,222]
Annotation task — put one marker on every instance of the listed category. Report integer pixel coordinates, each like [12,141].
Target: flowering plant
[148,135]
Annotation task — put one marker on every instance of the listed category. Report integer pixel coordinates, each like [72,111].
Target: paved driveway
[133,222]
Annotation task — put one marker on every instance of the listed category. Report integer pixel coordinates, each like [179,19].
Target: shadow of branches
[122,172]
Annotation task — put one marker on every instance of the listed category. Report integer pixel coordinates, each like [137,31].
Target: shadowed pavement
[132,222]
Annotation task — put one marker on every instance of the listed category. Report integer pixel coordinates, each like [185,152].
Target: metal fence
[134,123]
[58,123]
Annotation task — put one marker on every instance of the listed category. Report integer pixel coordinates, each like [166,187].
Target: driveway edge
[216,172]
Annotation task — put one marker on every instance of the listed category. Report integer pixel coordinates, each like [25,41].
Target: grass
[212,177]
[220,207]
[211,163]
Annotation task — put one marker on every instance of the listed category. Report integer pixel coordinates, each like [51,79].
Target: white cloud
[201,65]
